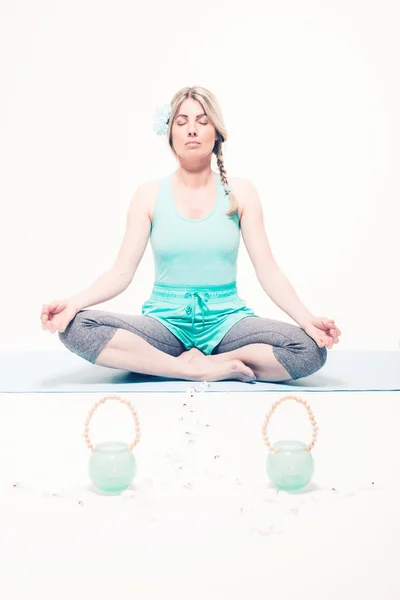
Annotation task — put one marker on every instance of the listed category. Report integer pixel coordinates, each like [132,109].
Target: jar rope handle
[272,410]
[95,407]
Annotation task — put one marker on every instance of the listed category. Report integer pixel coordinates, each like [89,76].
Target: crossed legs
[269,349]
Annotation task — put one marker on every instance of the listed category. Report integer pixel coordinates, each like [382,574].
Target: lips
[187,143]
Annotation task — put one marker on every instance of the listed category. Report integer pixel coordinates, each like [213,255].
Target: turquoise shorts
[199,316]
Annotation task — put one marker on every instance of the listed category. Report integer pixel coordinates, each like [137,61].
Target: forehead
[190,107]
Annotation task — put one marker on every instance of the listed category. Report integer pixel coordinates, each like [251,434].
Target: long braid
[228,190]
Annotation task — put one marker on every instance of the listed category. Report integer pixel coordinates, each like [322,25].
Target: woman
[194,326]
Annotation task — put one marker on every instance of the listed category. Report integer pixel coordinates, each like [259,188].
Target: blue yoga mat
[63,371]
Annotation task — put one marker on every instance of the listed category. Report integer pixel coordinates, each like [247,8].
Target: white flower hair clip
[161,119]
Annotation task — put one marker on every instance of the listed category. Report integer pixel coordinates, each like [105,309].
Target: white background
[310,94]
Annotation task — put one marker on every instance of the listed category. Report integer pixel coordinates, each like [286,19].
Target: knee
[312,356]
[319,355]
[301,356]
[70,336]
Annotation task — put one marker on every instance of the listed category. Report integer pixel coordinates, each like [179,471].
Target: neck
[196,178]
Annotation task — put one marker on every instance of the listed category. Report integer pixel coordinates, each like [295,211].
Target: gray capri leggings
[90,330]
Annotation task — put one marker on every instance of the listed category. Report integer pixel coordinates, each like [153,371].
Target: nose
[192,129]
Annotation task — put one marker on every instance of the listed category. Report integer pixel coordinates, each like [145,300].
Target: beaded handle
[272,410]
[95,407]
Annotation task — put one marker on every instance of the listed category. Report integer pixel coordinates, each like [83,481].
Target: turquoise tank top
[194,251]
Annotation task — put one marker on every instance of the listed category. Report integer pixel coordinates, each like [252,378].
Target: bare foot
[194,354]
[204,367]
[206,370]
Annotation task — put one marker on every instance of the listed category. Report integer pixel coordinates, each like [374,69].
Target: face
[192,125]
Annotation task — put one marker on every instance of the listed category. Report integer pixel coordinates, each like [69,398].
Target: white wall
[310,93]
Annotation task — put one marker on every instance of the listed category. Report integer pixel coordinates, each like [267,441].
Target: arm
[116,279]
[273,281]
[280,290]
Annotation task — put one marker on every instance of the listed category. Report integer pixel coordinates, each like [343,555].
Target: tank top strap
[166,210]
[164,202]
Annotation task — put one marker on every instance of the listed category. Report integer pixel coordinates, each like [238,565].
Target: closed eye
[180,124]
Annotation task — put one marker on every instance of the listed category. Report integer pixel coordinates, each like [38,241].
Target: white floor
[202,520]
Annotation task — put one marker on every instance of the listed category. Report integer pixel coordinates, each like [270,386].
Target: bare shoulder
[242,189]
[144,198]
[146,195]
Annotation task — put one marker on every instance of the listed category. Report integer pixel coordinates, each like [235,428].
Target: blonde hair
[212,109]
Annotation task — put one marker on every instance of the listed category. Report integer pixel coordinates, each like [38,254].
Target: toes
[243,372]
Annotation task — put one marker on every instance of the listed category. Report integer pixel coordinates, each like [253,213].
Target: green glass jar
[290,465]
[112,465]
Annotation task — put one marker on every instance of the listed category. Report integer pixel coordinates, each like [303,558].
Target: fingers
[44,315]
[328,344]
[330,324]
[45,310]
[330,341]
[54,307]
[335,333]
[47,325]
[44,319]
